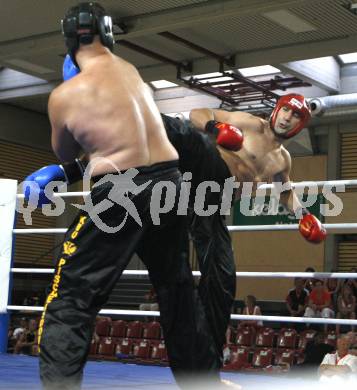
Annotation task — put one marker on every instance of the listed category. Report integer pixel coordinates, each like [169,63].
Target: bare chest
[260,159]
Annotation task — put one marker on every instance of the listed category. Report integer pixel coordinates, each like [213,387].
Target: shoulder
[61,94]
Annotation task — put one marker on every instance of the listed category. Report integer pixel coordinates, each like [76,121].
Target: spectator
[346,305]
[333,286]
[314,353]
[151,301]
[251,309]
[28,340]
[19,330]
[319,302]
[229,334]
[353,341]
[352,282]
[316,350]
[309,282]
[297,299]
[339,365]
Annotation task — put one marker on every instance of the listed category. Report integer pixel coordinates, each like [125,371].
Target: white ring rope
[300,184]
[321,183]
[62,194]
[316,275]
[241,317]
[40,231]
[243,228]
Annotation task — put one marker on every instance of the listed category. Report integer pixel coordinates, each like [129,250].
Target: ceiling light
[258,70]
[348,58]
[208,75]
[160,84]
[290,21]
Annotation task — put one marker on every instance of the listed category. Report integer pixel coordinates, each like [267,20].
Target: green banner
[266,211]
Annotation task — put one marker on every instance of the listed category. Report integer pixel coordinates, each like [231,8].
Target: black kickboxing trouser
[91,263]
[198,154]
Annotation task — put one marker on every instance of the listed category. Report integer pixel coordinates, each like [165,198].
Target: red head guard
[297,103]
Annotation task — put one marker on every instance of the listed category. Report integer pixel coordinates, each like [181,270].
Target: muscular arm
[199,117]
[64,145]
[288,197]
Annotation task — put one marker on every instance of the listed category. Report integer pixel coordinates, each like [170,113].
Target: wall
[24,127]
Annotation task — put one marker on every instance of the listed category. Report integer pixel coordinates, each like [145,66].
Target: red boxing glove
[227,136]
[312,230]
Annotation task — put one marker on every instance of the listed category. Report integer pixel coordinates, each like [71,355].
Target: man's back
[110,112]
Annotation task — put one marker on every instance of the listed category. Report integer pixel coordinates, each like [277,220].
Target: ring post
[8,189]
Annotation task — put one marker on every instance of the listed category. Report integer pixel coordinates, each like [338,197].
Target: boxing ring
[8,199]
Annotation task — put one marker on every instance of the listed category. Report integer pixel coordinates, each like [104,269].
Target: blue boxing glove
[36,183]
[69,68]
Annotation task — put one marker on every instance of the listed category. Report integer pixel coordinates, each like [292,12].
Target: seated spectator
[19,330]
[319,304]
[151,304]
[339,365]
[28,340]
[315,351]
[31,301]
[353,340]
[226,355]
[352,282]
[229,334]
[346,305]
[309,282]
[297,299]
[333,286]
[251,309]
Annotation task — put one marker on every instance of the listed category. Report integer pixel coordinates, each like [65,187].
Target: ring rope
[141,313]
[315,275]
[300,184]
[242,228]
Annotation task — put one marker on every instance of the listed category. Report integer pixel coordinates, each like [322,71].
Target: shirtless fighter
[262,157]
[107,111]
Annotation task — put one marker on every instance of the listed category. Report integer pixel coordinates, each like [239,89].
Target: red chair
[158,351]
[93,347]
[262,358]
[287,338]
[134,330]
[152,330]
[124,348]
[245,336]
[102,327]
[118,329]
[331,338]
[265,337]
[239,358]
[142,350]
[305,337]
[284,357]
[106,347]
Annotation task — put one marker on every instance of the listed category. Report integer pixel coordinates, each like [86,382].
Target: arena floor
[19,372]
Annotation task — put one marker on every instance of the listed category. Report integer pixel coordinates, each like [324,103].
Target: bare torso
[109,112]
[260,159]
